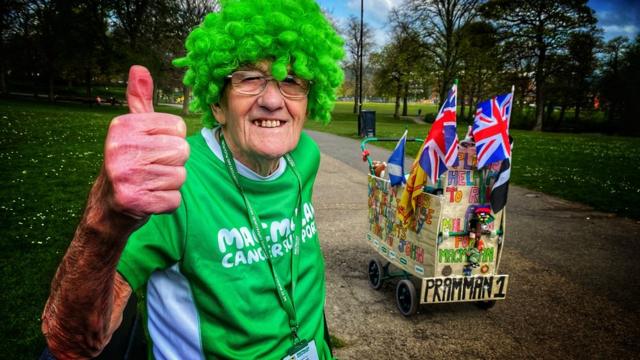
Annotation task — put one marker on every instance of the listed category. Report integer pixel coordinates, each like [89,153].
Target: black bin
[367,123]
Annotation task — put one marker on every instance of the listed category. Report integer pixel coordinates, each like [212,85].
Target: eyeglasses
[254,82]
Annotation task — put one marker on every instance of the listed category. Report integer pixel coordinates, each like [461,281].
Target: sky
[615,17]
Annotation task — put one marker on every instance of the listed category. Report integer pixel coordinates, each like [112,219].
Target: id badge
[306,350]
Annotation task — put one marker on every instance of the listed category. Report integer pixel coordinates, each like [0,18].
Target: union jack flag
[440,149]
[491,129]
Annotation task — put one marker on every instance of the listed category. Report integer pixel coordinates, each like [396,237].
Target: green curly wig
[290,33]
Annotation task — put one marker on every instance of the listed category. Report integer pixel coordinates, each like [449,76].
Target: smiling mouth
[268,123]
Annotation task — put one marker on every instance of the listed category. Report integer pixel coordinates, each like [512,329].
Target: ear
[218,113]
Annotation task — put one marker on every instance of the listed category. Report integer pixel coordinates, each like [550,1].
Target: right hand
[145,153]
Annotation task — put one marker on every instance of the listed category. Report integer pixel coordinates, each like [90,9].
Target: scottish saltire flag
[395,164]
[441,146]
[500,188]
[491,129]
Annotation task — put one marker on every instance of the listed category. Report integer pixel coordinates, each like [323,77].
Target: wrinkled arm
[87,295]
[143,171]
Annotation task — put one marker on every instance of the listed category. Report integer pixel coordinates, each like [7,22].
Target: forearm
[87,296]
[144,157]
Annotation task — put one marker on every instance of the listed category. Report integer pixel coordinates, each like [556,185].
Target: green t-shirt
[210,292]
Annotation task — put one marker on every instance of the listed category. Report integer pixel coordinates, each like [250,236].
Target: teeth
[267,123]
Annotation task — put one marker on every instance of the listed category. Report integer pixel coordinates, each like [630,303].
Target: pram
[451,244]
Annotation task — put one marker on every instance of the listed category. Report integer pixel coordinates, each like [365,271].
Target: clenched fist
[144,154]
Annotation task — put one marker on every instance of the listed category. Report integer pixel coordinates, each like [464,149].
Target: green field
[51,154]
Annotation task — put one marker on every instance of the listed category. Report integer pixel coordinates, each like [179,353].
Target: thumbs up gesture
[144,154]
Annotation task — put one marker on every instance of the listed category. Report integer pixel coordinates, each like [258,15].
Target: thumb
[140,90]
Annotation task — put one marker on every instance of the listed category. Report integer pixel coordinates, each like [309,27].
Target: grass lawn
[50,155]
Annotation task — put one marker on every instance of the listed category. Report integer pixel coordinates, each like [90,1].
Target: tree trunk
[549,113]
[156,96]
[35,87]
[563,108]
[3,80]
[576,117]
[443,94]
[471,115]
[404,99]
[87,82]
[51,86]
[611,115]
[462,107]
[396,113]
[186,92]
[540,87]
[355,94]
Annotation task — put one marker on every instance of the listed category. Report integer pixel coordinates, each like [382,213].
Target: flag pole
[455,82]
[513,102]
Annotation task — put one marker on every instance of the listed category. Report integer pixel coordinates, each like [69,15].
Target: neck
[262,168]
[259,165]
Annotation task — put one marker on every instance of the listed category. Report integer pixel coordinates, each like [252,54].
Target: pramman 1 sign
[467,288]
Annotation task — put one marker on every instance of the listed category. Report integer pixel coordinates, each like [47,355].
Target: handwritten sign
[469,288]
[411,248]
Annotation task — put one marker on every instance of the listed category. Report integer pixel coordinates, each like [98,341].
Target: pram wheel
[375,273]
[406,297]
[486,305]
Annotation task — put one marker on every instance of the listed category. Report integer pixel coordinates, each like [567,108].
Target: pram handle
[365,153]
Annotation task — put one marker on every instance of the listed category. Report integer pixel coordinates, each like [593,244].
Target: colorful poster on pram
[461,249]
[411,249]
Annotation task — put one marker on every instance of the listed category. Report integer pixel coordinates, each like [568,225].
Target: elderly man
[218,229]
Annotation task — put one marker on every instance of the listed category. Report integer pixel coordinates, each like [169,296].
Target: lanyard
[285,299]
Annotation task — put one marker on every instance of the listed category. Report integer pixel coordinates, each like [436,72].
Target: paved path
[573,292]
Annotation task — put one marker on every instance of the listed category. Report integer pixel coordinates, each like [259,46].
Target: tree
[188,15]
[439,23]
[398,71]
[48,37]
[631,95]
[412,63]
[581,63]
[18,42]
[631,88]
[9,30]
[144,35]
[481,62]
[570,80]
[618,84]
[87,36]
[386,77]
[351,32]
[544,26]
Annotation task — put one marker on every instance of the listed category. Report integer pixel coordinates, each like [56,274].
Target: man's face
[260,128]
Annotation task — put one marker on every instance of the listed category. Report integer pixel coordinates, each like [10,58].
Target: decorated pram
[451,245]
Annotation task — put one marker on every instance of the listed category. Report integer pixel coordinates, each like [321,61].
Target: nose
[271,98]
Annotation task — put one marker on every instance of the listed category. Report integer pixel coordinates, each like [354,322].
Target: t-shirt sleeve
[156,245]
[307,157]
